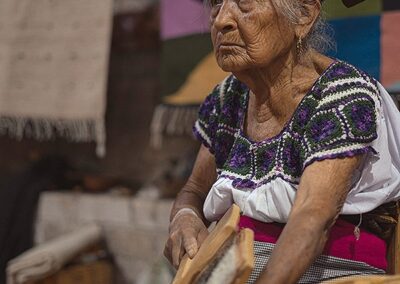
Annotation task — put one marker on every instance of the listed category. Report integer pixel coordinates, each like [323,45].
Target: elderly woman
[294,138]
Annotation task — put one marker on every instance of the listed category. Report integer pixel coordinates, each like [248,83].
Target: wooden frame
[224,235]
[226,230]
[394,248]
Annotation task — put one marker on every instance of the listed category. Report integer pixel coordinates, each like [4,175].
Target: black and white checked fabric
[324,268]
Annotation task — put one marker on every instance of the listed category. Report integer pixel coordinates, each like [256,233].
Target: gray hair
[320,35]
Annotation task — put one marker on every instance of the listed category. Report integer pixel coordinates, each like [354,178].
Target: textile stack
[49,257]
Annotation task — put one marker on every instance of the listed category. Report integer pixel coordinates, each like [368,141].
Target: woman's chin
[231,66]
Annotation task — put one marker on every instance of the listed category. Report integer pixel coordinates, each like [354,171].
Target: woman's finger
[167,250]
[190,242]
[176,250]
[202,236]
[181,255]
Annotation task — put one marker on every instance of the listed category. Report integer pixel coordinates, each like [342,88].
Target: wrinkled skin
[258,46]
[248,34]
[187,230]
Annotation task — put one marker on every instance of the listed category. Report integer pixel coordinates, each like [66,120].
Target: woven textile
[324,268]
[45,259]
[53,68]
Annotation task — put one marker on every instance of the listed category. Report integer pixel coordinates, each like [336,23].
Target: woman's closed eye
[245,4]
[214,3]
[242,4]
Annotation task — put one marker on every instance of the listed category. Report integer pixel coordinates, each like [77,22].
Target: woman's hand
[187,230]
[186,233]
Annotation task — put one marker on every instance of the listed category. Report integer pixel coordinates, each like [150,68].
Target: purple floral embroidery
[240,157]
[324,127]
[267,158]
[315,128]
[303,115]
[208,106]
[363,117]
[292,162]
[222,148]
[243,183]
[232,108]
[227,113]
[340,70]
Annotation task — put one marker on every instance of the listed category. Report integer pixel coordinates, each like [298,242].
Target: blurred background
[97,103]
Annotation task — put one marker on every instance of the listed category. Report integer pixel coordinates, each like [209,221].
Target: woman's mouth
[228,46]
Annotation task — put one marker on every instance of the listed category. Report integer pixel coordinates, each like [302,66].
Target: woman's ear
[308,15]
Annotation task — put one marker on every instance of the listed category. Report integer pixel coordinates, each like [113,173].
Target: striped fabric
[324,268]
[367,36]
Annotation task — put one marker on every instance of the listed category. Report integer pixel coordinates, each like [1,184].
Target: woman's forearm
[186,231]
[319,200]
[302,240]
[195,191]
[189,197]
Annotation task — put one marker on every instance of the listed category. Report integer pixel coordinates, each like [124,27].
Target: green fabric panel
[334,9]
[179,57]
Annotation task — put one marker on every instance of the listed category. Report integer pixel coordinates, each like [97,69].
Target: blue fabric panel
[358,42]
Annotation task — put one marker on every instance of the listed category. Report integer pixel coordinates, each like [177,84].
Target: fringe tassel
[172,120]
[41,129]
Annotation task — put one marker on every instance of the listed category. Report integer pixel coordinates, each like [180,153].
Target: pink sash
[342,243]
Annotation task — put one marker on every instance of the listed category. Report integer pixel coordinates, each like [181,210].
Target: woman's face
[248,34]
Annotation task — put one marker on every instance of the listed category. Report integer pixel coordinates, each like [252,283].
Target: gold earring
[299,46]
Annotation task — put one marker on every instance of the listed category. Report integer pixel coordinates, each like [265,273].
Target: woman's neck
[278,88]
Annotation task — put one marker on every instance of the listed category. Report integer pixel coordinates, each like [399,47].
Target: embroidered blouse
[345,113]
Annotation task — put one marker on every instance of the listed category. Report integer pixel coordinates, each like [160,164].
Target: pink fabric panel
[263,232]
[390,48]
[183,17]
[341,243]
[369,248]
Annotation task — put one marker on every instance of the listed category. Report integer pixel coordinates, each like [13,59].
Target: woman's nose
[224,21]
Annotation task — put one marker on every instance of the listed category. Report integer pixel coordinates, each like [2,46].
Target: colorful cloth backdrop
[366,36]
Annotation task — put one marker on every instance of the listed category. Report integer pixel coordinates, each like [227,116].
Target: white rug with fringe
[53,69]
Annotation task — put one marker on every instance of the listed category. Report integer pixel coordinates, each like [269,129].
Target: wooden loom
[225,237]
[225,257]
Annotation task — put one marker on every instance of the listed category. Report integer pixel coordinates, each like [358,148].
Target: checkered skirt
[324,268]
